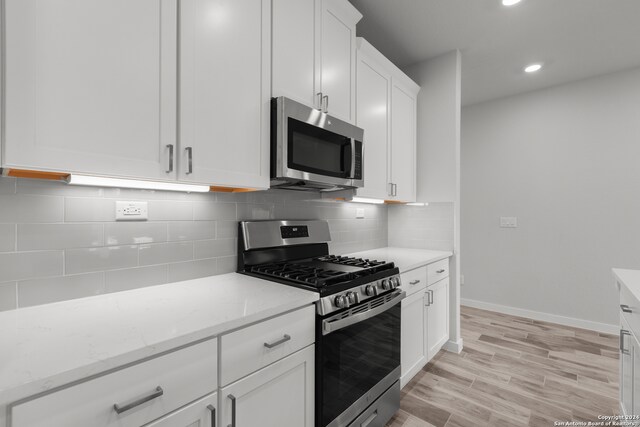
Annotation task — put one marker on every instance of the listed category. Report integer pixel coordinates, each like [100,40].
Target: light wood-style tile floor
[514,372]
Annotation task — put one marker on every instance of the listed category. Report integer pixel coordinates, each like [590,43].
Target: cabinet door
[403,142]
[91,86]
[296,50]
[635,395]
[437,317]
[201,413]
[338,56]
[225,92]
[412,336]
[280,395]
[373,87]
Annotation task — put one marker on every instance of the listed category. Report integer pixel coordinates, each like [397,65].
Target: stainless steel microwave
[311,150]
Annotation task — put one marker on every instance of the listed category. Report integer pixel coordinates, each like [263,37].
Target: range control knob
[341,301]
[352,297]
[371,290]
[386,285]
[395,282]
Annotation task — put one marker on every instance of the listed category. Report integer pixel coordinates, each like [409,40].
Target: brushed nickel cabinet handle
[414,282]
[212,409]
[625,308]
[189,160]
[120,409]
[440,271]
[325,100]
[233,410]
[430,297]
[622,334]
[282,340]
[319,100]
[170,168]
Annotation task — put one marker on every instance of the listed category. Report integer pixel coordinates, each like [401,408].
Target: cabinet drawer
[254,347]
[414,280]
[631,303]
[183,376]
[437,271]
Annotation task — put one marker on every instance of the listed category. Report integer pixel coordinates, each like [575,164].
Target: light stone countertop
[405,259]
[630,279]
[51,345]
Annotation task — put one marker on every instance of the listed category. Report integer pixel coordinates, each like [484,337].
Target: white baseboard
[545,317]
[453,346]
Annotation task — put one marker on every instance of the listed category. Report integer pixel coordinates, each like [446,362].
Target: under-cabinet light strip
[99,181]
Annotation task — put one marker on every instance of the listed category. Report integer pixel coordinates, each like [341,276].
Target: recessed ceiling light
[510,2]
[532,68]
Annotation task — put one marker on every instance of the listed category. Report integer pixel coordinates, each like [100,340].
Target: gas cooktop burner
[322,271]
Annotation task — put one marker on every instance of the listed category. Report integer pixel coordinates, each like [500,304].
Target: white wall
[59,242]
[566,162]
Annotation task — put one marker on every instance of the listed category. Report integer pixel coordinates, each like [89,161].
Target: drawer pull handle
[440,271]
[370,419]
[282,340]
[625,308]
[157,393]
[233,410]
[414,282]
[212,409]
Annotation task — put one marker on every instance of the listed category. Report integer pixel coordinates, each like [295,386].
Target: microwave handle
[352,174]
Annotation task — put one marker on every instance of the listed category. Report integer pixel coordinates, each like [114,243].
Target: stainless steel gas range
[357,321]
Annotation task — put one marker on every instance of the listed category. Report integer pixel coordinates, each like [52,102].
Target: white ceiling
[575,39]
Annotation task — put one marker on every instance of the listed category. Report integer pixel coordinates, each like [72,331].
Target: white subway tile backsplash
[162,253]
[27,208]
[133,278]
[192,230]
[87,209]
[8,292]
[7,185]
[100,259]
[53,289]
[428,227]
[59,241]
[7,237]
[170,210]
[210,211]
[135,233]
[59,236]
[215,248]
[192,269]
[27,265]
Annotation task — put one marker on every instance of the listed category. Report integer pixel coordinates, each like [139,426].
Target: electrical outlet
[131,211]
[360,213]
[508,222]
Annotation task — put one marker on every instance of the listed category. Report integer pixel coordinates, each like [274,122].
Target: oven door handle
[329,326]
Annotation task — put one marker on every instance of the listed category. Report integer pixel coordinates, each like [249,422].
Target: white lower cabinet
[412,336]
[437,308]
[280,395]
[425,317]
[201,413]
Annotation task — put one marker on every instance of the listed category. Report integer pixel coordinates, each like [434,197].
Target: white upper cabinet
[373,90]
[314,47]
[296,50]
[91,86]
[386,101]
[403,139]
[224,92]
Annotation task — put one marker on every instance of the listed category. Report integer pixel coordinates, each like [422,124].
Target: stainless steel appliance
[311,150]
[357,322]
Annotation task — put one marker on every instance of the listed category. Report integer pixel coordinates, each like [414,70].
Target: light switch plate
[360,213]
[132,211]
[508,222]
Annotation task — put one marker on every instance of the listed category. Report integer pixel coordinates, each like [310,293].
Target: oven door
[357,358]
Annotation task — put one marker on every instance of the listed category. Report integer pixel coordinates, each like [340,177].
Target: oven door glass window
[356,358]
[316,150]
